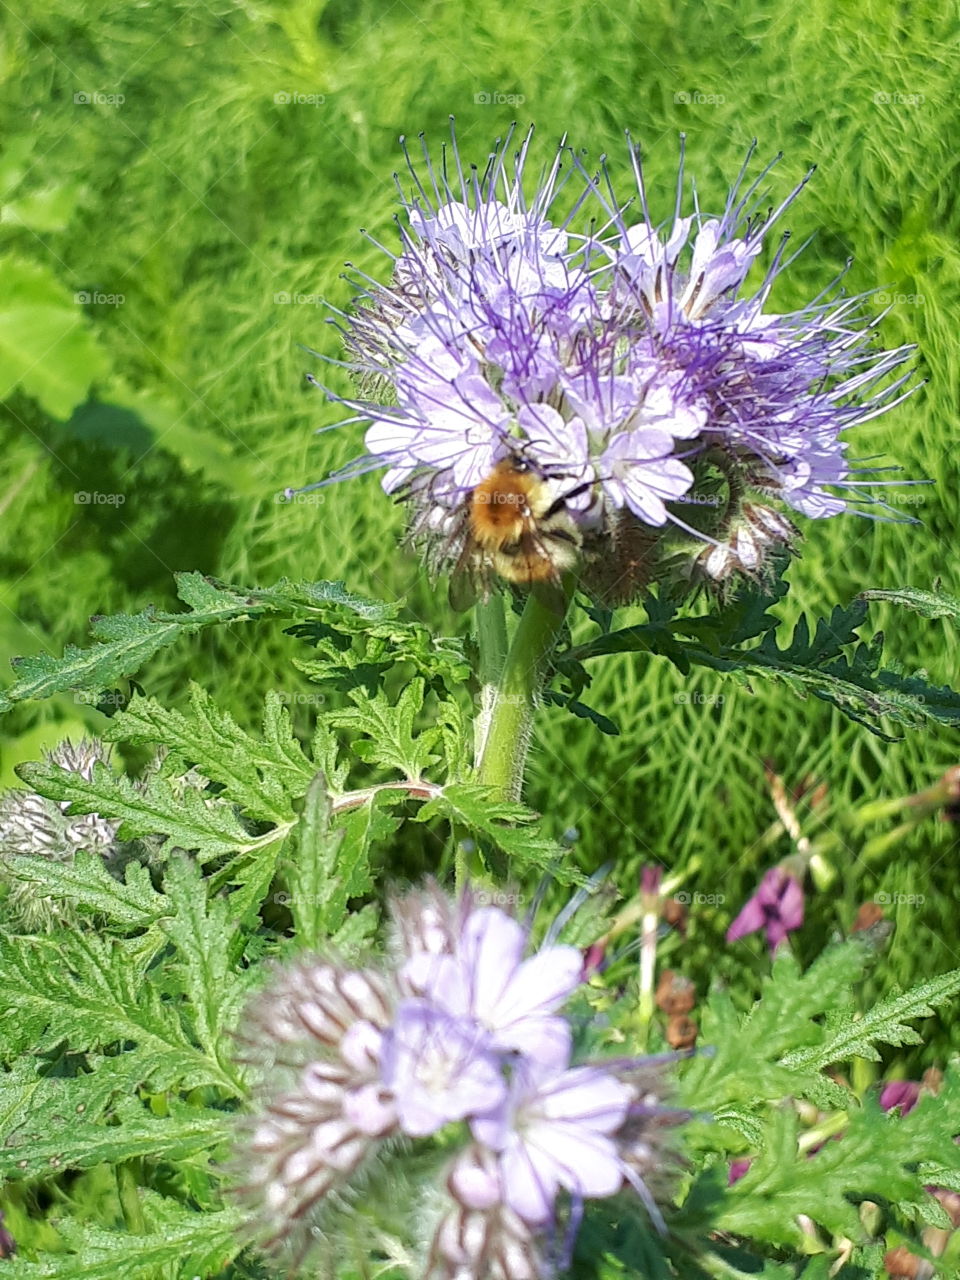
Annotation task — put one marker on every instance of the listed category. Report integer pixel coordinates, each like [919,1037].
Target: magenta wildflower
[738,1169]
[776,907]
[904,1094]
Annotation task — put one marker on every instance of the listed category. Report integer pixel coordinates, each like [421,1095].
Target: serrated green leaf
[261,775]
[930,604]
[391,738]
[189,818]
[97,1254]
[35,1103]
[886,1023]
[127,641]
[355,936]
[52,1149]
[86,882]
[511,827]
[326,868]
[582,712]
[833,665]
[201,931]
[751,1059]
[85,992]
[875,1158]
[251,876]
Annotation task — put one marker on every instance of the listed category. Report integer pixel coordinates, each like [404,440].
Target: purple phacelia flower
[513,999]
[438,1068]
[626,364]
[479,1235]
[556,1129]
[776,907]
[463,1028]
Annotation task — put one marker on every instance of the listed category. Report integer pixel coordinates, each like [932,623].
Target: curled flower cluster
[466,1030]
[625,365]
[30,824]
[34,826]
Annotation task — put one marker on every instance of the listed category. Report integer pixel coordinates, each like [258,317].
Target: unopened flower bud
[675,914]
[738,1169]
[868,914]
[950,1201]
[317,1002]
[754,533]
[594,959]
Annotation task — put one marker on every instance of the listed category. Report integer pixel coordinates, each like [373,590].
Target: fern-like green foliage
[803,1023]
[830,661]
[234,843]
[119,1033]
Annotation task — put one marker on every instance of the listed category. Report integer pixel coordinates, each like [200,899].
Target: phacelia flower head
[30,824]
[463,1033]
[33,826]
[618,360]
[555,1130]
[776,907]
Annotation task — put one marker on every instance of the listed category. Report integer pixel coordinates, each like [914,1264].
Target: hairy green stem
[491,632]
[503,738]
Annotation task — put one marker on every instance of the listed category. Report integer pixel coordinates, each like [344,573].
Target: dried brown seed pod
[868,914]
[682,1032]
[904,1265]
[675,993]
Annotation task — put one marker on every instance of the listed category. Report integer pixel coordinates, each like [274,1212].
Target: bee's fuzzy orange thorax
[500,506]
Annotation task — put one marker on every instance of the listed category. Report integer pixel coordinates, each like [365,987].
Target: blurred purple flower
[438,1068]
[464,1026]
[904,1094]
[777,907]
[513,999]
[556,1129]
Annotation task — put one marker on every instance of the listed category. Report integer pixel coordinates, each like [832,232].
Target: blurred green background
[181,184]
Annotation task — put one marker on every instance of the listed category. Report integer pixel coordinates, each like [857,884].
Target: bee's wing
[466,578]
[462,591]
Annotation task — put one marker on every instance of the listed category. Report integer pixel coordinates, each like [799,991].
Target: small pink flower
[777,907]
[904,1094]
[738,1169]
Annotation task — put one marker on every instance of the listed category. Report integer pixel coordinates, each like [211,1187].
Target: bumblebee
[517,528]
